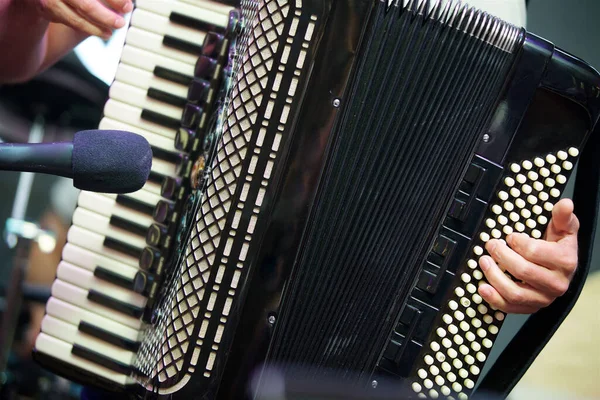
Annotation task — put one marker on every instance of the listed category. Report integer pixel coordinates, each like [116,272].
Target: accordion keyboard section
[166,86]
[188,339]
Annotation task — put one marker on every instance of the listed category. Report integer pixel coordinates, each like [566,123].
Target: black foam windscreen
[110,161]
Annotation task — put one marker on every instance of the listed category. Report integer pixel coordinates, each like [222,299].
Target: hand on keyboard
[94,17]
[543,268]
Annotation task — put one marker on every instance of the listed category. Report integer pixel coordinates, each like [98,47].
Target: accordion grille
[195,309]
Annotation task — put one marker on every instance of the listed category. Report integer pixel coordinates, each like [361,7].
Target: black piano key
[160,119]
[192,116]
[182,45]
[109,337]
[109,276]
[183,167]
[117,305]
[170,188]
[135,204]
[166,98]
[198,91]
[100,359]
[205,67]
[233,22]
[157,178]
[213,43]
[164,155]
[122,247]
[173,76]
[194,23]
[163,212]
[127,225]
[156,235]
[184,139]
[145,284]
[152,260]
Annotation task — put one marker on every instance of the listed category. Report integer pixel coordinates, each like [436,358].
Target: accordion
[325,176]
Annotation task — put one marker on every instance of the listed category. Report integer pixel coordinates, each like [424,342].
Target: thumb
[563,222]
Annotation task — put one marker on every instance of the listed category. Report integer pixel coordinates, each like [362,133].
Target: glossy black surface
[331,65]
[270,279]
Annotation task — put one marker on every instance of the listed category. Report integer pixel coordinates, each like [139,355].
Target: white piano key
[161,25]
[163,167]
[152,187]
[93,241]
[154,139]
[62,351]
[141,195]
[89,260]
[78,297]
[70,334]
[108,206]
[208,5]
[85,279]
[101,225]
[138,97]
[133,115]
[146,79]
[148,61]
[153,42]
[213,13]
[74,315]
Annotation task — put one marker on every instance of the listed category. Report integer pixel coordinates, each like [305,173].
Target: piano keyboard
[100,297]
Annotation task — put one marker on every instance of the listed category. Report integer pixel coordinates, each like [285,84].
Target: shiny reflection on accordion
[338,179]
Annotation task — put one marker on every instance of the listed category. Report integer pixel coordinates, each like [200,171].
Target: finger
[94,12]
[64,14]
[539,277]
[563,222]
[515,293]
[558,256]
[495,300]
[120,6]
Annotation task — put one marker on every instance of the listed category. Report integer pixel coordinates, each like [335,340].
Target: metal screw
[374,384]
[336,103]
[486,138]
[271,319]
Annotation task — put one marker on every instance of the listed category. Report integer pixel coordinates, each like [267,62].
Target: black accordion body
[326,174]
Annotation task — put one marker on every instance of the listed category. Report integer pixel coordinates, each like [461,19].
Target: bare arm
[34,34]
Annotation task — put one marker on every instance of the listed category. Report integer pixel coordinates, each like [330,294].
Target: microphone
[97,160]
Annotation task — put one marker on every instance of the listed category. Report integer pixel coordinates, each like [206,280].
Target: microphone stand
[14,291]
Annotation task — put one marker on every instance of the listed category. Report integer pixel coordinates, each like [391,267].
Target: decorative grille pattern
[195,310]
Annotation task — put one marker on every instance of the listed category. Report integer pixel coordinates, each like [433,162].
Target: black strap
[520,353]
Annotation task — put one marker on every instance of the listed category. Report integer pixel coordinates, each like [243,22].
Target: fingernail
[484,290]
[510,238]
[128,7]
[119,22]
[484,263]
[491,245]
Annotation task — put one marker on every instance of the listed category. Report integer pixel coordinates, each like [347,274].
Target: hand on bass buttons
[543,268]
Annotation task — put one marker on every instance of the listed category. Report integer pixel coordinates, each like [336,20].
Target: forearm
[60,41]
[29,43]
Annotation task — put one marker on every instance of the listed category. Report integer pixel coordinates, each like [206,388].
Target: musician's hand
[94,17]
[543,267]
